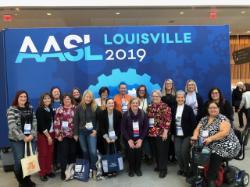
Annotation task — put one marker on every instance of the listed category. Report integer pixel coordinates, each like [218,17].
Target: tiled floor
[149,178]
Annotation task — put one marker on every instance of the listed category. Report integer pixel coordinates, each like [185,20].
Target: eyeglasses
[141,90]
[213,108]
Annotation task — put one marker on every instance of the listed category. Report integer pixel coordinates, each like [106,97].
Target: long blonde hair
[93,103]
[173,90]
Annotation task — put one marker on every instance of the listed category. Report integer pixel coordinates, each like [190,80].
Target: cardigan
[44,119]
[127,124]
[188,121]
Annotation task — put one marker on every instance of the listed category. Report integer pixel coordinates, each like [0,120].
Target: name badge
[27,128]
[112,134]
[65,124]
[89,126]
[151,122]
[205,133]
[179,131]
[136,129]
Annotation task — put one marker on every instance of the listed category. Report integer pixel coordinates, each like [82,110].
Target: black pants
[214,165]
[68,152]
[240,116]
[134,158]
[160,152]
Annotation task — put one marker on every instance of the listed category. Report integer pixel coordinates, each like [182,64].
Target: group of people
[67,126]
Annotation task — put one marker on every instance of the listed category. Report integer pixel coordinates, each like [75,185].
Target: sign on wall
[91,57]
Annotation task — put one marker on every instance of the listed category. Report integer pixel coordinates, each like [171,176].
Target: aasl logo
[78,48]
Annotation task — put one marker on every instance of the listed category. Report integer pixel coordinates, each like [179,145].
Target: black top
[44,119]
[188,121]
[170,100]
[226,109]
[104,122]
[236,97]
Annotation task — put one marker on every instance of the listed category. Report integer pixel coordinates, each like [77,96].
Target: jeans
[88,146]
[18,152]
[182,152]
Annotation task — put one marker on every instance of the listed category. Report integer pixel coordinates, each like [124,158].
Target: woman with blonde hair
[85,130]
[193,99]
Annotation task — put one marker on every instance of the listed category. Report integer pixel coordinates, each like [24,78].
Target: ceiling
[237,17]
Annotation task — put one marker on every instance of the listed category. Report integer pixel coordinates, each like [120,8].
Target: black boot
[211,184]
[19,177]
[29,182]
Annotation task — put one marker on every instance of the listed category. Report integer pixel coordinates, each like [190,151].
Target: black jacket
[170,100]
[104,122]
[188,121]
[44,119]
[236,97]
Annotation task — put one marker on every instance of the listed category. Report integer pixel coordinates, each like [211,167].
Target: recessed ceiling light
[181,12]
[49,14]
[243,12]
[117,13]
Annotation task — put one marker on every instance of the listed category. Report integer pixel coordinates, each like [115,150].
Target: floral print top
[63,123]
[161,115]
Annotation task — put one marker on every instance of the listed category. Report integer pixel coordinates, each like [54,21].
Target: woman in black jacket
[45,138]
[183,125]
[109,127]
[226,108]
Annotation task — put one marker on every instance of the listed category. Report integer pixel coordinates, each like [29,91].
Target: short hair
[158,92]
[41,103]
[180,92]
[18,93]
[109,100]
[103,89]
[52,89]
[67,95]
[133,99]
[122,83]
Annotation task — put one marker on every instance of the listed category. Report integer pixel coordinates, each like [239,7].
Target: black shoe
[29,182]
[156,169]
[44,178]
[162,174]
[51,175]
[180,172]
[131,173]
[63,176]
[138,173]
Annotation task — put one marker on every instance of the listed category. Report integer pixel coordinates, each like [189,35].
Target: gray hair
[180,92]
[158,92]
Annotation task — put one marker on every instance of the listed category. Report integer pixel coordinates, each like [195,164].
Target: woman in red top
[159,115]
[64,129]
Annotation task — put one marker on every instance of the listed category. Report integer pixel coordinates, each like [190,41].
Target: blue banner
[92,57]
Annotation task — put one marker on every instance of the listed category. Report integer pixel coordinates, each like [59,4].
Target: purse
[30,163]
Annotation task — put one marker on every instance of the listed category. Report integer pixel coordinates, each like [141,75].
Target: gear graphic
[131,78]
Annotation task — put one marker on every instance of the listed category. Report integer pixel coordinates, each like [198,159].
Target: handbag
[30,163]
[82,170]
[112,162]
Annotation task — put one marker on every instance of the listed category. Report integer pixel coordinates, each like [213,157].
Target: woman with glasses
[159,115]
[226,108]
[214,130]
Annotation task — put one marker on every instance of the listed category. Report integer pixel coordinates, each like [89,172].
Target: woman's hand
[164,135]
[50,141]
[108,140]
[131,144]
[28,138]
[93,133]
[193,139]
[208,140]
[60,139]
[138,143]
[76,138]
